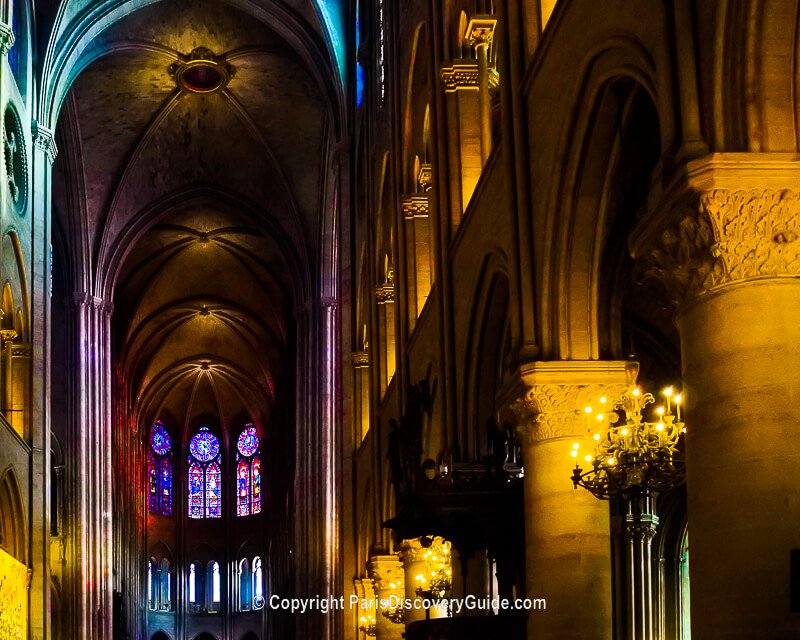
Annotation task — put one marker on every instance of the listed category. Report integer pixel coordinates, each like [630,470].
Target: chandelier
[437,579]
[627,454]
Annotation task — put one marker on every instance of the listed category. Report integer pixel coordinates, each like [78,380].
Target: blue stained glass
[248,441]
[160,440]
[213,491]
[195,491]
[243,489]
[204,445]
[166,487]
[152,480]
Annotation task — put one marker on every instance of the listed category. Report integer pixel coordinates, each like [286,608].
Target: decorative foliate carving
[548,411]
[727,236]
[386,571]
[44,139]
[414,206]
[460,75]
[425,177]
[360,359]
[15,159]
[6,38]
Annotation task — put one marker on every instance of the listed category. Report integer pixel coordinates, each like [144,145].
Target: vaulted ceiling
[201,212]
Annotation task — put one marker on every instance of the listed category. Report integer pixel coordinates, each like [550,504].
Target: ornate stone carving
[384,293]
[6,38]
[44,139]
[414,206]
[425,177]
[15,159]
[386,571]
[727,236]
[360,359]
[14,585]
[480,30]
[548,411]
[460,75]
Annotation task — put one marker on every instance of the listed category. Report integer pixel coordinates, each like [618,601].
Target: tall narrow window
[258,584]
[214,588]
[151,585]
[193,588]
[248,473]
[381,51]
[165,583]
[205,475]
[685,617]
[159,471]
[359,66]
[245,580]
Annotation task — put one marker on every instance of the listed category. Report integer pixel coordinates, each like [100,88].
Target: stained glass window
[248,473]
[248,441]
[192,584]
[205,475]
[166,487]
[151,591]
[195,490]
[153,482]
[256,491]
[213,491]
[164,576]
[159,471]
[243,488]
[204,446]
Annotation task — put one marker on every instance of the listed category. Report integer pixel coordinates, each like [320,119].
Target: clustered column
[728,252]
[567,531]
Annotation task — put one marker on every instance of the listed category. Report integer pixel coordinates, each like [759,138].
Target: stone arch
[12,518]
[486,357]
[616,92]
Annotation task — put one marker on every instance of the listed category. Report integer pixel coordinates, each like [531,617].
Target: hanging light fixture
[367,625]
[628,454]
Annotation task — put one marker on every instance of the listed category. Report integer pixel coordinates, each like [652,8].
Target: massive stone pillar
[727,247]
[89,472]
[567,531]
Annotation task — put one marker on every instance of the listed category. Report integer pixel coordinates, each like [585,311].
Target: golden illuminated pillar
[567,531]
[384,297]
[361,393]
[420,250]
[728,250]
[480,32]
[388,579]
[460,82]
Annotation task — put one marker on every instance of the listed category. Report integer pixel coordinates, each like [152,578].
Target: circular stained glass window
[160,440]
[204,445]
[248,441]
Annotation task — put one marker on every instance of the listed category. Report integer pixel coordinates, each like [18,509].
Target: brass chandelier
[627,454]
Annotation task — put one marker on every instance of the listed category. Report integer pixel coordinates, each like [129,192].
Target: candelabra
[435,583]
[629,455]
[634,458]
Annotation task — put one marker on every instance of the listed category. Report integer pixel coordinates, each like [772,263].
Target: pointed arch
[12,517]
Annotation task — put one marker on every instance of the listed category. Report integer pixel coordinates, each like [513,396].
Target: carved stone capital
[21,350]
[360,359]
[480,30]
[414,206]
[384,293]
[732,235]
[365,589]
[386,571]
[729,218]
[554,395]
[44,139]
[460,75]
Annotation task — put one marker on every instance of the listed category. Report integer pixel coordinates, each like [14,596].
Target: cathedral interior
[400,319]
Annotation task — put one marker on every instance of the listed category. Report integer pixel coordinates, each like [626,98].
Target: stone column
[728,250]
[567,531]
[480,32]
[411,553]
[388,580]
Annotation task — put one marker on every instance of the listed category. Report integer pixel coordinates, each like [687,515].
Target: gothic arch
[619,82]
[485,358]
[12,517]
